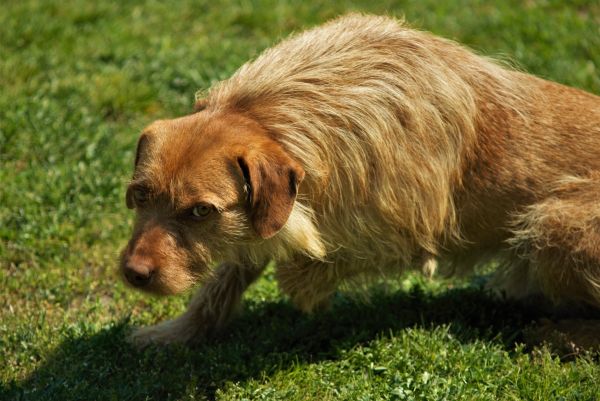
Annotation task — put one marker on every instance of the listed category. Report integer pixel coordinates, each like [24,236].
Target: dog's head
[204,187]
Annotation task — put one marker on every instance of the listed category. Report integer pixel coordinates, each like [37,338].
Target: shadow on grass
[267,337]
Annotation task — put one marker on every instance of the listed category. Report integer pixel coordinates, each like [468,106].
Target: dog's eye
[140,196]
[201,211]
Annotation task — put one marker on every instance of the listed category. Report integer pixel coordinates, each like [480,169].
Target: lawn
[78,81]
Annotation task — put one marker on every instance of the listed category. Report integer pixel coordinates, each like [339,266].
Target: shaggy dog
[365,147]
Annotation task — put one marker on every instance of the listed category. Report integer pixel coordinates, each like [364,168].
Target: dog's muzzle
[138,274]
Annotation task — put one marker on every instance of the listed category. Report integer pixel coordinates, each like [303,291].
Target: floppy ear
[142,147]
[200,105]
[140,153]
[272,180]
[129,199]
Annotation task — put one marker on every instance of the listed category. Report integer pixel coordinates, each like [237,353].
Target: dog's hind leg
[209,310]
[557,244]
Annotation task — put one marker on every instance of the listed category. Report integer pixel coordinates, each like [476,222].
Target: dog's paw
[142,337]
[177,331]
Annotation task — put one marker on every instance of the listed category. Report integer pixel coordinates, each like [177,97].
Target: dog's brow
[139,184]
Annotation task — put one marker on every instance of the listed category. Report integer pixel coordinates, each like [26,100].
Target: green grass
[79,79]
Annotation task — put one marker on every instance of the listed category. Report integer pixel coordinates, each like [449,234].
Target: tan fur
[366,147]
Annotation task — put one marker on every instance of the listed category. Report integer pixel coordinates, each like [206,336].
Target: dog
[359,148]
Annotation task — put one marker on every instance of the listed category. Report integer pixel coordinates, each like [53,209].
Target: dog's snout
[139,275]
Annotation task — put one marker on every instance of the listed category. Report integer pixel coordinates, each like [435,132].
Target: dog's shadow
[265,338]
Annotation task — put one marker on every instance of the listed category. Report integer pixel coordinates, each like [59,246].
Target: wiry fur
[374,94]
[404,148]
[560,239]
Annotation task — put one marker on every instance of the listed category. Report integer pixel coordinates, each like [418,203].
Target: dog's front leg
[310,284]
[210,309]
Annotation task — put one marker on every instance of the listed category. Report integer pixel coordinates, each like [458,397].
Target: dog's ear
[200,105]
[142,149]
[272,179]
[140,154]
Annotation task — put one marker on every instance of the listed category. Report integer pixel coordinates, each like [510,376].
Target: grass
[79,79]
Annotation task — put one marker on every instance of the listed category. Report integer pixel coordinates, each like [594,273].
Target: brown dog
[363,146]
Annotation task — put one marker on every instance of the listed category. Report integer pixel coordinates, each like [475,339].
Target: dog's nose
[139,275]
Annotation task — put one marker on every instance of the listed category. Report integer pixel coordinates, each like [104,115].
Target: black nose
[138,275]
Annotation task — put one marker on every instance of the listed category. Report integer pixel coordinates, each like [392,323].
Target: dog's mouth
[143,273]
[160,282]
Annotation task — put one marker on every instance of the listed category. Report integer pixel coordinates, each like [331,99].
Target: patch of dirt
[568,338]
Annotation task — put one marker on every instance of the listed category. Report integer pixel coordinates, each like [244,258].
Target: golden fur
[365,146]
